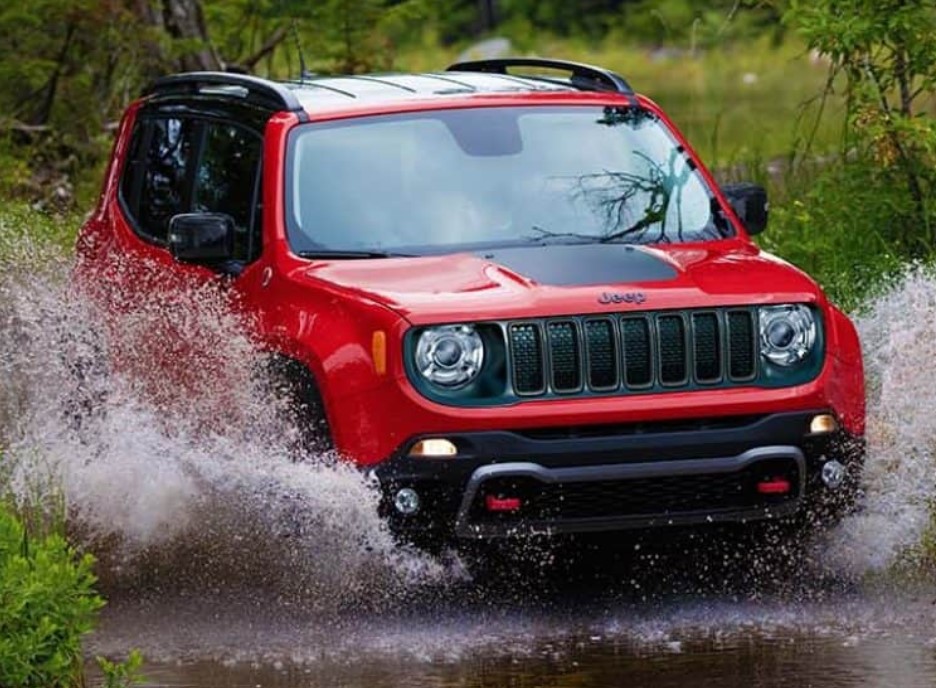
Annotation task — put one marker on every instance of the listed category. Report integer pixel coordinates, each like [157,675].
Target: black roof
[467,78]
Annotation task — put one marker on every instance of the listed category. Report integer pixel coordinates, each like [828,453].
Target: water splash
[898,335]
[181,475]
[200,487]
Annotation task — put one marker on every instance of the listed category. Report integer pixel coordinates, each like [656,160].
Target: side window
[227,181]
[165,166]
[180,165]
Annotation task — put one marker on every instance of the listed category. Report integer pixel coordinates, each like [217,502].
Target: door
[172,330]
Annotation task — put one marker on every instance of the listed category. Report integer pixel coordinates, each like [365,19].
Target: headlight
[788,333]
[450,356]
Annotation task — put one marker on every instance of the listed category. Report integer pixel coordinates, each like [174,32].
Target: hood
[569,279]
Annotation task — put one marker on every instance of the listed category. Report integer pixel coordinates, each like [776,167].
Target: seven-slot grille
[633,352]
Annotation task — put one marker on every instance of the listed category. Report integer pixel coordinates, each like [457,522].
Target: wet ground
[858,637]
[713,610]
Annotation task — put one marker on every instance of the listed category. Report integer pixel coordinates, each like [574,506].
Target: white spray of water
[186,471]
[201,484]
[898,335]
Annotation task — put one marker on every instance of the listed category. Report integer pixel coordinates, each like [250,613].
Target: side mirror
[201,237]
[750,204]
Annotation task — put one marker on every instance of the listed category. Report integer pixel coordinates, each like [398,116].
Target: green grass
[19,224]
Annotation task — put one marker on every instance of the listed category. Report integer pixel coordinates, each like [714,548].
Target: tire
[297,397]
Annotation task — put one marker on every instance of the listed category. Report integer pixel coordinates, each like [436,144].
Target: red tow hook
[502,504]
[774,486]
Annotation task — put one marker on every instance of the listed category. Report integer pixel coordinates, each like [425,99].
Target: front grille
[648,497]
[630,353]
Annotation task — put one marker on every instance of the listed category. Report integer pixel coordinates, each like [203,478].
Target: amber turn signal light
[379,351]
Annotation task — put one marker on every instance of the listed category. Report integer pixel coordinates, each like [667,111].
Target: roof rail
[584,77]
[252,89]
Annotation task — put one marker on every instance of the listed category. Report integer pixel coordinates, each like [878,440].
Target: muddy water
[230,563]
[857,638]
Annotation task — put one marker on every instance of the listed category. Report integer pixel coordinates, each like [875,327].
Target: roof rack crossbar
[259,91]
[442,77]
[379,79]
[313,83]
[583,76]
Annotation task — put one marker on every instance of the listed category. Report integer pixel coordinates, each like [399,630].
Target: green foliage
[124,674]
[886,52]
[698,24]
[828,224]
[355,36]
[47,604]
[20,223]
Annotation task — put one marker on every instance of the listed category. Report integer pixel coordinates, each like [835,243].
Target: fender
[847,384]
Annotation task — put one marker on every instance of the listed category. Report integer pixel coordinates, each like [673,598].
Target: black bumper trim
[658,449]
[465,529]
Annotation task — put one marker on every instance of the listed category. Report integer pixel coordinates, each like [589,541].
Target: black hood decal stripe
[581,265]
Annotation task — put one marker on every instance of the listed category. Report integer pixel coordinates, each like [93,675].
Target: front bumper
[618,477]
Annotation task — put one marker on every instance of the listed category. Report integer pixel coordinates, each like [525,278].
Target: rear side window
[182,165]
[157,183]
[227,181]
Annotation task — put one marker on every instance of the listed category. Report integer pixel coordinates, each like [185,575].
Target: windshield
[488,177]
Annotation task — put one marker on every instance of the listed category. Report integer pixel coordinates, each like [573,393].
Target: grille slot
[638,352]
[526,351]
[602,355]
[565,357]
[671,340]
[633,352]
[707,347]
[742,362]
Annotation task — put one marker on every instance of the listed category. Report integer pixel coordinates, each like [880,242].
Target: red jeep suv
[510,290]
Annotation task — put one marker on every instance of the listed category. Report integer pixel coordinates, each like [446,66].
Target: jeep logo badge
[635,297]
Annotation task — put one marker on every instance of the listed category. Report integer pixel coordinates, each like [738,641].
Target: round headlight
[450,356]
[787,333]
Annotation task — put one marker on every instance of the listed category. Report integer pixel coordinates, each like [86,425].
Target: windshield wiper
[350,255]
[545,237]
[548,238]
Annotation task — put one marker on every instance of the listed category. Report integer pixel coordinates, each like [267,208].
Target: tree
[886,52]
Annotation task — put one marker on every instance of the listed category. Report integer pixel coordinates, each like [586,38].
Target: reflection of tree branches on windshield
[619,197]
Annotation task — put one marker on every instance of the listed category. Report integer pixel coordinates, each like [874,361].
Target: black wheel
[299,401]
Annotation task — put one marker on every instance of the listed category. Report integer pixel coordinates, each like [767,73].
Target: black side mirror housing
[202,237]
[750,204]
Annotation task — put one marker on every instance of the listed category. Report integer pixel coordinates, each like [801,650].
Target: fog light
[833,474]
[433,448]
[406,501]
[823,424]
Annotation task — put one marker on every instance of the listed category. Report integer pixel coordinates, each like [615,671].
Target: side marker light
[379,352]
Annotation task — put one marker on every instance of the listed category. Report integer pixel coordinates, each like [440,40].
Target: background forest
[828,102]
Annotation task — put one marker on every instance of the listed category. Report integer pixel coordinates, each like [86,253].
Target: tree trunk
[488,14]
[184,20]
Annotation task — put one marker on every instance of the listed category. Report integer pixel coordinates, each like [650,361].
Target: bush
[47,604]
[836,223]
